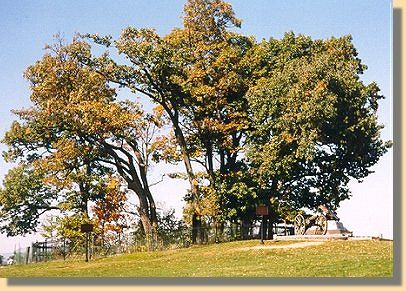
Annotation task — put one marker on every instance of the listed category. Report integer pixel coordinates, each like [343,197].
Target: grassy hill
[235,259]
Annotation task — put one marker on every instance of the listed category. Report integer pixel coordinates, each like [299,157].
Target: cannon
[304,221]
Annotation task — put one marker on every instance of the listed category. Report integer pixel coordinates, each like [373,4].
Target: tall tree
[313,121]
[76,124]
[197,75]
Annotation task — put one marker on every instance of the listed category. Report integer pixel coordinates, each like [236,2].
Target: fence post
[87,247]
[64,249]
[27,256]
[46,250]
[34,251]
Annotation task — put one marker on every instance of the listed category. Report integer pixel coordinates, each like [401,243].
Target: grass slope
[235,259]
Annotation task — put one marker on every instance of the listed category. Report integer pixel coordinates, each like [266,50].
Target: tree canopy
[282,122]
[77,134]
[313,121]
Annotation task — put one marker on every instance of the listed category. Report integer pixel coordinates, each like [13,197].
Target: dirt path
[289,246]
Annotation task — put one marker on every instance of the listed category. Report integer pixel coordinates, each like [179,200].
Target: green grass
[330,259]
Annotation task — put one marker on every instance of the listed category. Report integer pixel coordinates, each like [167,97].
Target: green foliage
[314,123]
[170,229]
[239,195]
[23,198]
[284,122]
[67,227]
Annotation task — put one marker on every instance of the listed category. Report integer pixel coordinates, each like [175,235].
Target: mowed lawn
[367,258]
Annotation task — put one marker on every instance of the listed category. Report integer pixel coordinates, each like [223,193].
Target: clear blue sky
[26,26]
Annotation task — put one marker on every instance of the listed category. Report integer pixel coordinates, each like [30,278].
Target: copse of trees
[286,123]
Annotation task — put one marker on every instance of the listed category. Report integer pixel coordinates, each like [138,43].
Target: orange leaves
[321,85]
[109,209]
[287,137]
[49,106]
[195,182]
[27,131]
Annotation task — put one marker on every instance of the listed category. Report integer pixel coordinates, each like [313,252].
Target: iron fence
[130,242]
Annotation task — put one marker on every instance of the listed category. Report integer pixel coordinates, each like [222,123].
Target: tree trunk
[272,212]
[196,229]
[209,149]
[147,212]
[147,227]
[153,218]
[194,190]
[264,227]
[150,204]
[188,165]
[245,228]
[270,229]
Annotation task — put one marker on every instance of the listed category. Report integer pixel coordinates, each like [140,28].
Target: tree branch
[156,183]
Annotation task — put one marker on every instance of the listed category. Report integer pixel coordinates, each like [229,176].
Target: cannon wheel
[300,225]
[321,224]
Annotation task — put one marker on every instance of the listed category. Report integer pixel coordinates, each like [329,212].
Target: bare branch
[155,183]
